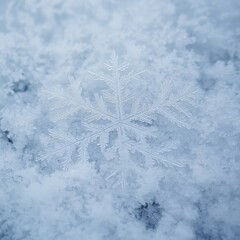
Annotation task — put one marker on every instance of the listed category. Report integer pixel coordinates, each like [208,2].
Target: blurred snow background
[43,42]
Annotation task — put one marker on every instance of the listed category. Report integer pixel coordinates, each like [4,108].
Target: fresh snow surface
[119,120]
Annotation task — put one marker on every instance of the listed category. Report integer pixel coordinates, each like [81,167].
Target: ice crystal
[121,122]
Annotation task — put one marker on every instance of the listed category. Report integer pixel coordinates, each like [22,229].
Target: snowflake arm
[69,103]
[174,109]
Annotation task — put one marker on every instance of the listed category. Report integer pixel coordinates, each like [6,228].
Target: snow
[119,119]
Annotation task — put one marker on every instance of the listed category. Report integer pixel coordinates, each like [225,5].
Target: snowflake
[120,121]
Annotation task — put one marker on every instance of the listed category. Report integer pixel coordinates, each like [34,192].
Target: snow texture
[119,119]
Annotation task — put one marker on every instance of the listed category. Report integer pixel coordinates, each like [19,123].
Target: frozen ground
[119,119]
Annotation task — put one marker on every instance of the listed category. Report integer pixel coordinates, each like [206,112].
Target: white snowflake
[121,122]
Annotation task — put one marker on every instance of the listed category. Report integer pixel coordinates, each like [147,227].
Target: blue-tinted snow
[46,43]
